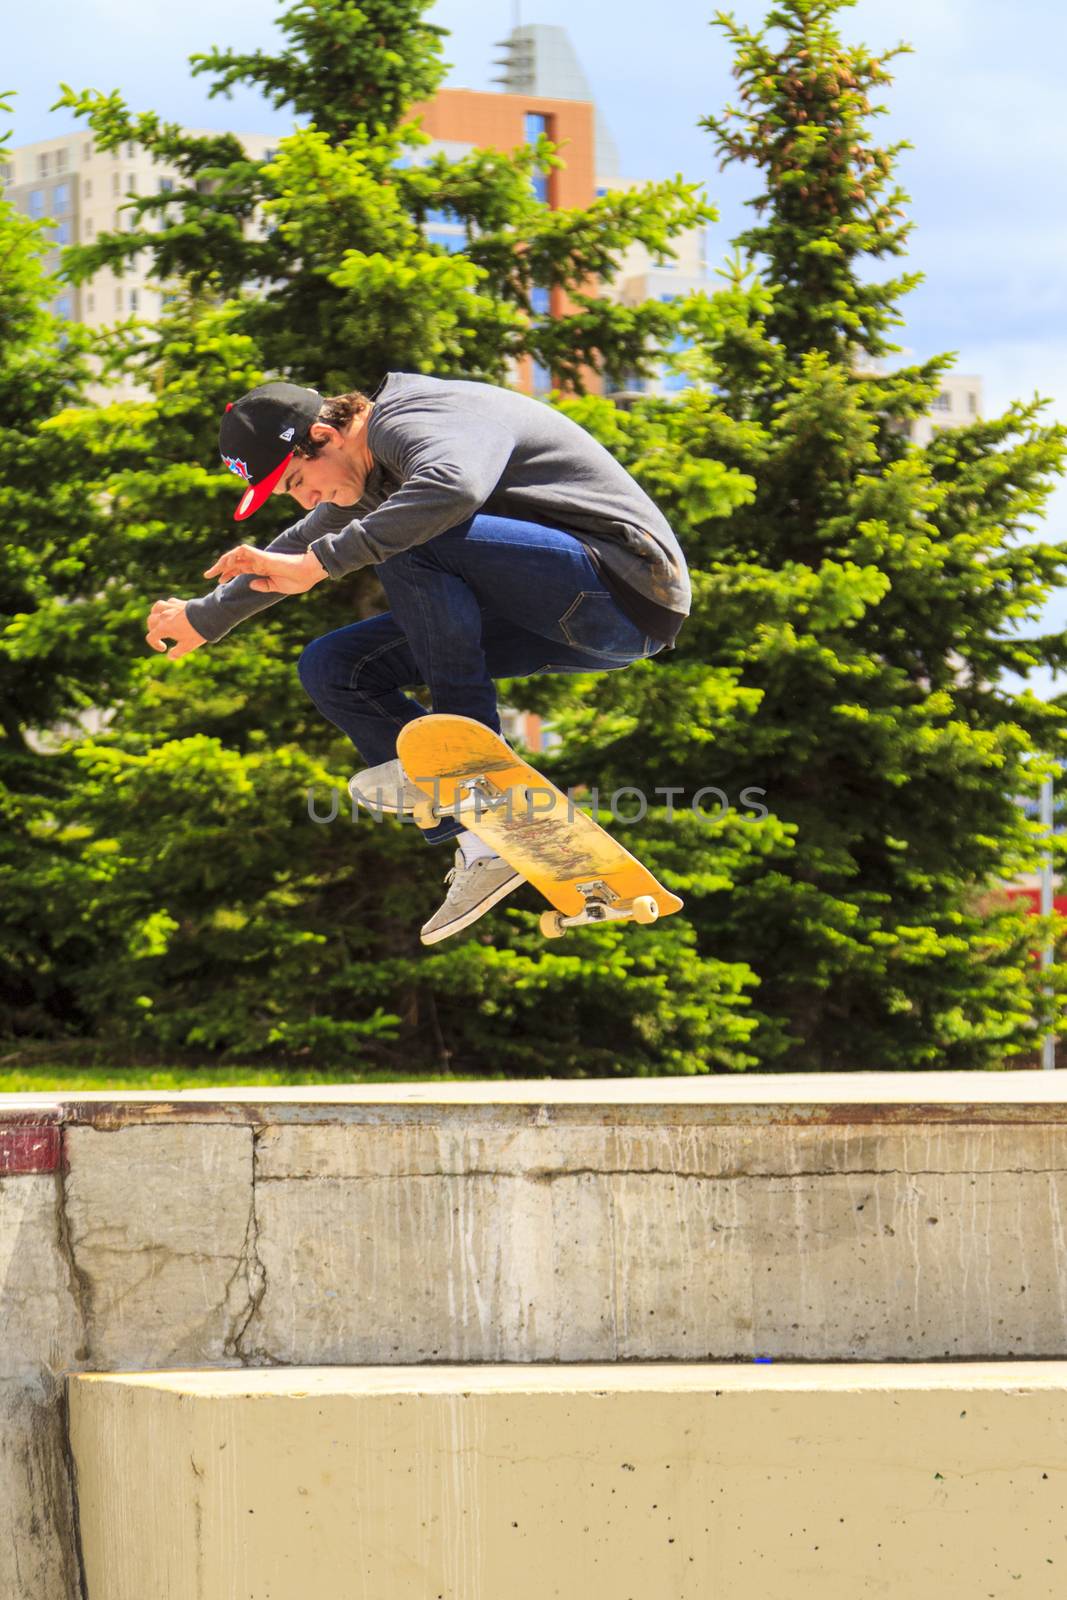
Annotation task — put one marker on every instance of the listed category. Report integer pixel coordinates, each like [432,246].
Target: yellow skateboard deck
[465,769]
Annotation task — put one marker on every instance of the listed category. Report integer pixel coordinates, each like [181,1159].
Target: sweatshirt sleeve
[447,462]
[213,615]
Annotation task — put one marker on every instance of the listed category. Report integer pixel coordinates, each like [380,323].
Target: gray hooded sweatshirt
[444,450]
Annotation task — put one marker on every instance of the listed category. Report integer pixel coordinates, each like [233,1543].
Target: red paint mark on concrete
[34,1148]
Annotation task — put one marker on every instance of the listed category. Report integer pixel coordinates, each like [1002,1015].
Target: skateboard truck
[476,795]
[602,904]
[480,794]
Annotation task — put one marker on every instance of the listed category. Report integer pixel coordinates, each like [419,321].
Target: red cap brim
[255,495]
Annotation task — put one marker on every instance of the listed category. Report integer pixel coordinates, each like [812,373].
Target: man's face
[337,474]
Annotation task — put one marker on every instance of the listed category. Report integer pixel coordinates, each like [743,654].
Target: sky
[980,99]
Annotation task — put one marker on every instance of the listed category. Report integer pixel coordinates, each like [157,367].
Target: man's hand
[277,574]
[167,620]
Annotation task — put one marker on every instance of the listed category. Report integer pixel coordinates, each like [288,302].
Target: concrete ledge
[764,1098]
[641,1483]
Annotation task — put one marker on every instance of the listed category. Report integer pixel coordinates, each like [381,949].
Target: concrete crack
[72,1477]
[80,1283]
[251,1263]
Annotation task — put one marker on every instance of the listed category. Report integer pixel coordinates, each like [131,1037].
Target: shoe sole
[449,928]
[384,809]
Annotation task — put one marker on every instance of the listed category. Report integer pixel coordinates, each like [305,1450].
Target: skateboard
[467,771]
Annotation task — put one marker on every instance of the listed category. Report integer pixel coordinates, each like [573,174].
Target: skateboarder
[507,540]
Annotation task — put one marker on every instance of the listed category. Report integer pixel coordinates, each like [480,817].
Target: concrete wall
[858,1217]
[633,1483]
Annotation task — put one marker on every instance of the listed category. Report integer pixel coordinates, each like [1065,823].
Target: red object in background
[1024,892]
[30,1148]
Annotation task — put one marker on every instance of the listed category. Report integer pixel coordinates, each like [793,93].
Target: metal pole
[1048,1046]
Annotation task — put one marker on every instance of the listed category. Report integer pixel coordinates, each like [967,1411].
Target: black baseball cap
[258,434]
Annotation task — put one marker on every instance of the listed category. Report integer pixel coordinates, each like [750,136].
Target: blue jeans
[489,598]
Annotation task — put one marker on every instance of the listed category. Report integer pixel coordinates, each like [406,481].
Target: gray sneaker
[472,892]
[385,789]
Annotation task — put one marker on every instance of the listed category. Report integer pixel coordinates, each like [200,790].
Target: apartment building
[81,191]
[958,403]
[462,120]
[537,59]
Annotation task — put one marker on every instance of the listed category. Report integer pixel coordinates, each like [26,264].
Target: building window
[89,227]
[60,198]
[972,403]
[675,382]
[43,164]
[166,185]
[62,232]
[7,172]
[87,189]
[536,124]
[90,304]
[943,401]
[118,301]
[131,183]
[116,153]
[61,161]
[131,150]
[87,150]
[64,307]
[601,192]
[116,183]
[134,300]
[452,240]
[541,301]
[36,202]
[540,376]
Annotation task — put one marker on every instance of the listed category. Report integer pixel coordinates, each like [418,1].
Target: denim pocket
[593,623]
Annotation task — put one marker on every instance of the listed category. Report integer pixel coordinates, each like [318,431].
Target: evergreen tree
[43,676]
[856,613]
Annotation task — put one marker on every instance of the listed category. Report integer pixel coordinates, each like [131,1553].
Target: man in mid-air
[507,540]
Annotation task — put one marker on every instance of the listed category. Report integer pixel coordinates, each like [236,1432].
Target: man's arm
[447,462]
[213,615]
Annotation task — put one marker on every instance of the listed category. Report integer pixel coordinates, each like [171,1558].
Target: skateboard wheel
[645,909]
[552,925]
[424,814]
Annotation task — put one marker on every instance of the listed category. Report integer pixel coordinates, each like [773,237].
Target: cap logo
[238,467]
[288,434]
